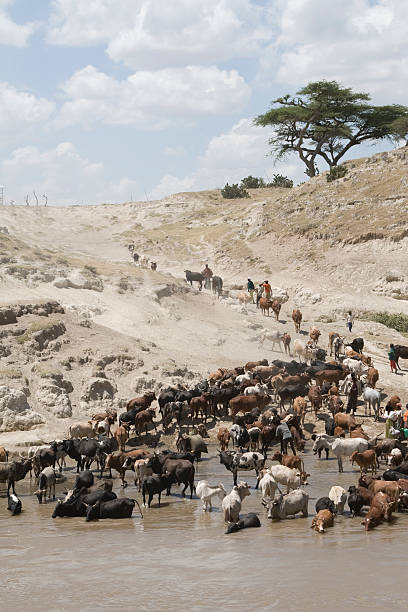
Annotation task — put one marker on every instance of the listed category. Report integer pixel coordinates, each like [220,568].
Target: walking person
[208,274]
[392,356]
[353,395]
[251,289]
[283,432]
[259,292]
[350,320]
[267,289]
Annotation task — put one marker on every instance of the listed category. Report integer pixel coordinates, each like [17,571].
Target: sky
[128,100]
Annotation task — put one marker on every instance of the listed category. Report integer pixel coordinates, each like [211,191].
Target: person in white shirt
[350,321]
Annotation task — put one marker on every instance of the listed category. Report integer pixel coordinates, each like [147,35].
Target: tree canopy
[324,120]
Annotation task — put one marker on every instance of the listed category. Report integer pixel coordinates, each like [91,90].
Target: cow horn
[138,505]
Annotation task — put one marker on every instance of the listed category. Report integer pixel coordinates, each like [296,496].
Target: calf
[231,504]
[322,520]
[207,492]
[290,461]
[251,520]
[46,484]
[292,479]
[143,418]
[268,485]
[300,408]
[356,501]
[199,405]
[14,504]
[365,460]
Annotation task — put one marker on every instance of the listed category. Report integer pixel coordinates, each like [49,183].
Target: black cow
[180,471]
[14,504]
[116,509]
[194,276]
[357,345]
[293,368]
[84,480]
[45,457]
[12,471]
[325,503]
[400,352]
[165,397]
[355,501]
[129,415]
[216,285]
[155,485]
[329,426]
[77,503]
[394,474]
[251,520]
[290,392]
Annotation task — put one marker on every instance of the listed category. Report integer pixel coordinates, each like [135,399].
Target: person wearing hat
[283,432]
[251,289]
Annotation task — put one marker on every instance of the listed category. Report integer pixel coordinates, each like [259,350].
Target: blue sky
[104,100]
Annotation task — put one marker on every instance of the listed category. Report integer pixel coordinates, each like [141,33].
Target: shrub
[281,181]
[252,182]
[234,191]
[398,321]
[91,269]
[336,172]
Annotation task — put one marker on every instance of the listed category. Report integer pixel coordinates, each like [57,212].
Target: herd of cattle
[259,397]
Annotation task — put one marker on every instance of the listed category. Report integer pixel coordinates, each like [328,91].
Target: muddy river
[178,558]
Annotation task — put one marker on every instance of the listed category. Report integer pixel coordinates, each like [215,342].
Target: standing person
[283,432]
[353,395]
[268,289]
[208,274]
[251,289]
[392,418]
[259,292]
[350,320]
[392,356]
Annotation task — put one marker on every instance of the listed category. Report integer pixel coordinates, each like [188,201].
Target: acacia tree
[324,120]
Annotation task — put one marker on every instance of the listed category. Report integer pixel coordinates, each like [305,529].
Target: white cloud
[61,173]
[229,157]
[152,100]
[11,33]
[20,110]
[148,34]
[358,42]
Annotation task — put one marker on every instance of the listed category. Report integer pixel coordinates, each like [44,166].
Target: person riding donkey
[208,274]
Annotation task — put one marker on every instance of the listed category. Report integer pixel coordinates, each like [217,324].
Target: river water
[178,558]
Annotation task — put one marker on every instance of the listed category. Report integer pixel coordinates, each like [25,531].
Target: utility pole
[1,195]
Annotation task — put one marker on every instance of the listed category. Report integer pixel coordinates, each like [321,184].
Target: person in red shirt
[267,289]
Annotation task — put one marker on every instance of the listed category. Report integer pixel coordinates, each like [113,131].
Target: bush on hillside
[281,181]
[234,191]
[336,172]
[253,182]
[398,321]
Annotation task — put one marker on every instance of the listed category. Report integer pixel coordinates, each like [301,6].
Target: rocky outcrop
[48,333]
[99,389]
[15,412]
[7,316]
[52,392]
[77,280]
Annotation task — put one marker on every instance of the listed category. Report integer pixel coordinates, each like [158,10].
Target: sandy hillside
[93,329]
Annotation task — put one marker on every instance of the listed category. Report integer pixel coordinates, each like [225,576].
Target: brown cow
[122,435]
[143,418]
[223,436]
[314,335]
[116,461]
[217,375]
[144,401]
[372,377]
[265,372]
[346,421]
[299,379]
[300,408]
[365,460]
[286,339]
[358,432]
[315,398]
[359,356]
[199,405]
[3,454]
[276,307]
[297,319]
[335,404]
[391,488]
[252,364]
[330,376]
[322,520]
[265,305]
[339,432]
[290,461]
[245,403]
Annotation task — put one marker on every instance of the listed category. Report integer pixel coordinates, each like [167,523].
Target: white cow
[81,429]
[372,398]
[206,492]
[395,457]
[244,378]
[258,389]
[341,447]
[231,504]
[303,351]
[141,471]
[46,484]
[288,505]
[268,486]
[345,385]
[285,476]
[338,496]
[144,261]
[356,367]
[274,336]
